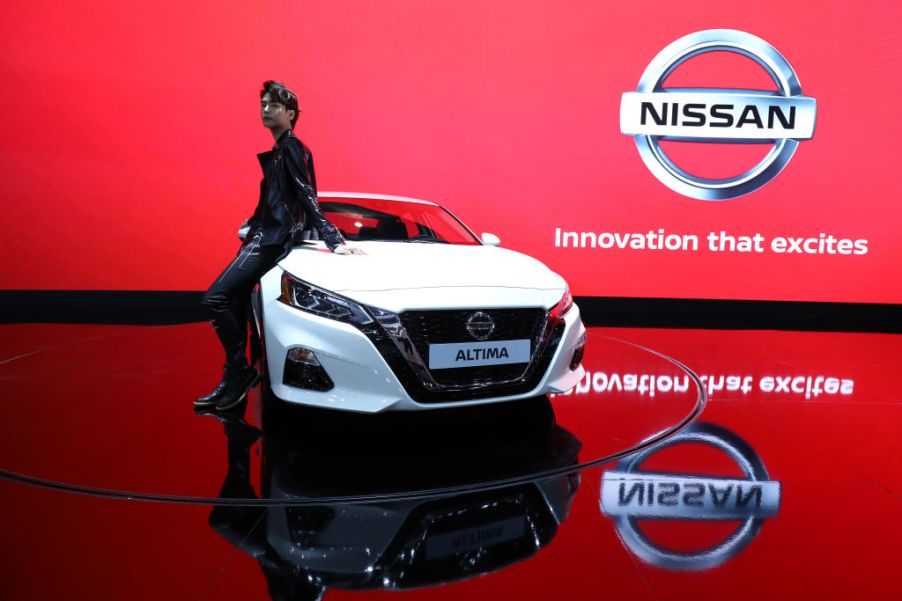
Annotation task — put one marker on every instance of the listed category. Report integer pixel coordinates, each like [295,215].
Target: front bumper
[363,379]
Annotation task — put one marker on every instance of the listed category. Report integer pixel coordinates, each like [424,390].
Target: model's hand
[347,249]
[250,235]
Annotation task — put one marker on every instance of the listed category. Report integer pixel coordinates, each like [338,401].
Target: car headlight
[565,304]
[309,298]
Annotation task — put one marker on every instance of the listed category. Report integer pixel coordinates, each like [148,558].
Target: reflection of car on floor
[416,540]
[420,542]
[431,316]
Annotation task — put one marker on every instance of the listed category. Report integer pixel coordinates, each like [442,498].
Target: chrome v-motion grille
[436,327]
[406,352]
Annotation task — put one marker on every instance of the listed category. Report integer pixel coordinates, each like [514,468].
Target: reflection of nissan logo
[653,113]
[628,494]
[480,325]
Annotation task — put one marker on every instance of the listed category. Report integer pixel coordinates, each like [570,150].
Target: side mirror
[490,239]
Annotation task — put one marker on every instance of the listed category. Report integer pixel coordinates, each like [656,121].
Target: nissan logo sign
[630,494]
[653,113]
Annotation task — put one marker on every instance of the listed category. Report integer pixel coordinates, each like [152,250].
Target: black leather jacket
[288,209]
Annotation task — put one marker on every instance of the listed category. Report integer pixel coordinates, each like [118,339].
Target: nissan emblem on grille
[480,325]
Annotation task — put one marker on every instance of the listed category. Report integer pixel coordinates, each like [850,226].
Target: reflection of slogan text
[716,385]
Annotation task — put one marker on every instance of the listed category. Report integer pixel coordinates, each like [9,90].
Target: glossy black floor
[687,464]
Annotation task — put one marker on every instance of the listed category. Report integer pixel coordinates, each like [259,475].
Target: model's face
[274,114]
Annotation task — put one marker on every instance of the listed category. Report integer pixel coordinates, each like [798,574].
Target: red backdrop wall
[129,133]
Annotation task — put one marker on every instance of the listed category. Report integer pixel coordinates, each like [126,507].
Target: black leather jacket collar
[282,137]
[288,205]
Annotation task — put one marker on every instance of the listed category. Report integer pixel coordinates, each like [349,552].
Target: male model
[287,208]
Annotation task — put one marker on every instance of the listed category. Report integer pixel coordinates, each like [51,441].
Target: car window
[395,221]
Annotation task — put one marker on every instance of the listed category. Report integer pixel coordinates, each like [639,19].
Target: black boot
[239,382]
[213,397]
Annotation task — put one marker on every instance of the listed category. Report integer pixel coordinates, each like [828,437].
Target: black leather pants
[228,297]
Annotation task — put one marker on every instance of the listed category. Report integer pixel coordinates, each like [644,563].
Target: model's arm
[255,221]
[300,178]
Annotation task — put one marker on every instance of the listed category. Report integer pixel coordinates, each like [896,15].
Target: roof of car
[373,197]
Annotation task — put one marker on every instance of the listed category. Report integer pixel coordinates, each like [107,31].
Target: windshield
[395,221]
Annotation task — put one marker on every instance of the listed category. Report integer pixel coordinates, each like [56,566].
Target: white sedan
[430,317]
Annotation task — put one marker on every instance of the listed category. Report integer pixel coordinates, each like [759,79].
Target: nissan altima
[432,316]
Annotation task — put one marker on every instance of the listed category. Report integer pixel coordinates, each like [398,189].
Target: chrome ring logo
[630,494]
[480,325]
[653,113]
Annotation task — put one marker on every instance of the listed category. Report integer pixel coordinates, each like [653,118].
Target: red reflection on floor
[810,419]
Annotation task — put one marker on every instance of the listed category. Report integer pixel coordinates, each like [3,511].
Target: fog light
[300,354]
[578,352]
[303,370]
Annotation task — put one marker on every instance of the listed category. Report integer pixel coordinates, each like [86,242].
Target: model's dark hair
[281,94]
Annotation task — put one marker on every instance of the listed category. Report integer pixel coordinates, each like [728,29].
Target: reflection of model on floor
[410,541]
[245,526]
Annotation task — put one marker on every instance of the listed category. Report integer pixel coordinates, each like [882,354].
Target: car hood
[407,266]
